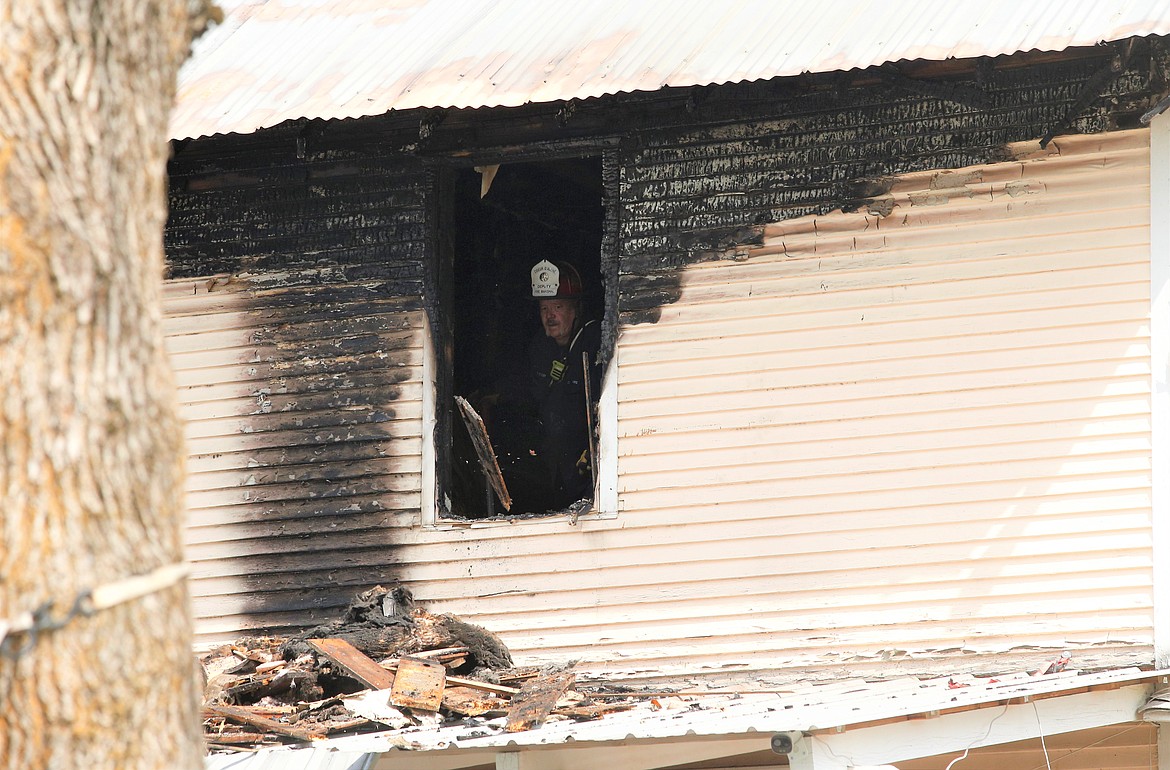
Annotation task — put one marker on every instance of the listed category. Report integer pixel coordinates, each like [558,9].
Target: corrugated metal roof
[275,60]
[798,709]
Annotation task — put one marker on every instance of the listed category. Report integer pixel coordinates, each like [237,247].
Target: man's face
[557,316]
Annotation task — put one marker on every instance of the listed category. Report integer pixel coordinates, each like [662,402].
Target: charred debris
[386,665]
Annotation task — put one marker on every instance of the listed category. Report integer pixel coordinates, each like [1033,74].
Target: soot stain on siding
[324,255]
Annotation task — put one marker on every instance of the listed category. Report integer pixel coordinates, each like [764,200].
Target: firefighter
[546,460]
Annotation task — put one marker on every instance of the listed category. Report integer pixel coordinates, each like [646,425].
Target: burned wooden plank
[475,684]
[234,739]
[356,663]
[418,684]
[585,713]
[483,448]
[244,716]
[473,703]
[536,701]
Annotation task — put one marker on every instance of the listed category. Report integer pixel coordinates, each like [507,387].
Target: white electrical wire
[88,602]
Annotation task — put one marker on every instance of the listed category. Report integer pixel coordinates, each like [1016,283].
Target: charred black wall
[300,196]
[689,192]
[305,456]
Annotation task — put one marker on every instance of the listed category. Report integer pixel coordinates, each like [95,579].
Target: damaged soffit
[276,60]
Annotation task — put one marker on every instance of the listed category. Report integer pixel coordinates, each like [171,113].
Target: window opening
[516,359]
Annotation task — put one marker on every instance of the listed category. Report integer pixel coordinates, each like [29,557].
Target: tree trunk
[90,442]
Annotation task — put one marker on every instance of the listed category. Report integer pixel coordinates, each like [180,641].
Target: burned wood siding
[694,192]
[294,320]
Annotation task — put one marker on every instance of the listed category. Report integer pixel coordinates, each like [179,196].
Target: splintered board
[357,663]
[483,449]
[418,684]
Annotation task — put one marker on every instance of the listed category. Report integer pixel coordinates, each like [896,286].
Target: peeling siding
[894,431]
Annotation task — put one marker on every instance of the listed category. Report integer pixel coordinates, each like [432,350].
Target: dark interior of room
[532,211]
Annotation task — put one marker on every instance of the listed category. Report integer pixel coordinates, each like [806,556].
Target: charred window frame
[449,277]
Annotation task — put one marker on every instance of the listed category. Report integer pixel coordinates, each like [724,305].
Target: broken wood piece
[444,652]
[244,716]
[259,687]
[475,684]
[472,703]
[418,684]
[592,711]
[264,668]
[355,662]
[349,724]
[536,700]
[484,451]
[234,739]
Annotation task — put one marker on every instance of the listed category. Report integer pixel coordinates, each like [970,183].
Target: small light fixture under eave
[1157,708]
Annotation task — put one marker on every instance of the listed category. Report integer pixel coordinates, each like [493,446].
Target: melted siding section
[303,409]
[914,432]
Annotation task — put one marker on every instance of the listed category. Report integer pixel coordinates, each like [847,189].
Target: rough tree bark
[90,445]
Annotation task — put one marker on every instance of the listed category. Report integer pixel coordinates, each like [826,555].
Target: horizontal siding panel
[912,281]
[811,441]
[272,474]
[797,460]
[342,399]
[287,391]
[1075,288]
[698,528]
[321,489]
[806,553]
[711,641]
[884,302]
[241,331]
[1117,377]
[295,436]
[733,424]
[1093,347]
[759,609]
[258,513]
[267,374]
[279,456]
[294,350]
[1127,399]
[853,587]
[884,297]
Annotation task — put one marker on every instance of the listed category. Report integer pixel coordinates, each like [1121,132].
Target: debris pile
[386,665]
